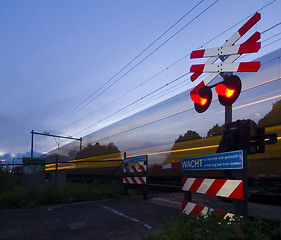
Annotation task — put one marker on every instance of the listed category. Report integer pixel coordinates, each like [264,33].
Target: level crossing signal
[202,99]
[229,89]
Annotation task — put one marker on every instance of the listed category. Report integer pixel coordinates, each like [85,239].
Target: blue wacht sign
[219,161]
[141,158]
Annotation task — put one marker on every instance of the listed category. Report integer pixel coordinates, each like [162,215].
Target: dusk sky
[67,66]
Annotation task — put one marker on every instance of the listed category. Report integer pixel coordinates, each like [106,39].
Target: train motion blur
[172,130]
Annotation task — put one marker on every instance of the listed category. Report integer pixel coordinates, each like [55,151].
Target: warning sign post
[236,189]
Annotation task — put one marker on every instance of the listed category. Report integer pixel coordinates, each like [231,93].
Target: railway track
[156,186]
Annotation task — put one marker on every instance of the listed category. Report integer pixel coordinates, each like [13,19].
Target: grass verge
[214,226]
[19,197]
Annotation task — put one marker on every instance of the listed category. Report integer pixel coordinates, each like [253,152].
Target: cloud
[5,156]
[8,157]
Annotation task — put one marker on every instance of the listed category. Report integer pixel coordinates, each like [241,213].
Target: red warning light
[198,99]
[202,99]
[221,89]
[229,90]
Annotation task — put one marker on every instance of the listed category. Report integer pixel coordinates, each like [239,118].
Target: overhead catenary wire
[182,111]
[173,64]
[81,106]
[276,25]
[188,109]
[79,109]
[227,30]
[149,94]
[272,42]
[271,37]
[260,9]
[261,84]
[179,59]
[130,104]
[126,93]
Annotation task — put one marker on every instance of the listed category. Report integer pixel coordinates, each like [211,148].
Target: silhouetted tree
[97,150]
[273,117]
[215,130]
[189,135]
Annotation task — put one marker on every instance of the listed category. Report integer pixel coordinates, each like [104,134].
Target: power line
[129,91]
[271,37]
[239,22]
[272,42]
[124,94]
[180,112]
[165,43]
[193,107]
[188,109]
[147,56]
[131,104]
[77,108]
[276,25]
[149,94]
[201,46]
[173,64]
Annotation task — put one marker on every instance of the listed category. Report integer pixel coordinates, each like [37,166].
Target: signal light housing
[229,90]
[202,99]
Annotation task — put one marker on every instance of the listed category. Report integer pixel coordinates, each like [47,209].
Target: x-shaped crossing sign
[228,53]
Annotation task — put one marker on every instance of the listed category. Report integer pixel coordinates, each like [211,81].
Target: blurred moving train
[154,130]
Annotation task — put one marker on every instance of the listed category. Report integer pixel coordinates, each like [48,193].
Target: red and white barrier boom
[227,53]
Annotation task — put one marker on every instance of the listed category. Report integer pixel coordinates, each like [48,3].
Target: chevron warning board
[134,180]
[217,187]
[135,169]
[189,207]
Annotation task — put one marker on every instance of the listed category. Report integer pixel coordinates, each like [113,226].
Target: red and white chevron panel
[212,75]
[189,207]
[226,67]
[245,28]
[136,169]
[134,180]
[217,187]
[227,50]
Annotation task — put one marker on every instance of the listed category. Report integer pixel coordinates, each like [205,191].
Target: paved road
[123,218]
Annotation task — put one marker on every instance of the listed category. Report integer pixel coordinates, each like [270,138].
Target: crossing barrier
[139,168]
[189,207]
[217,187]
[133,168]
[236,189]
[134,180]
